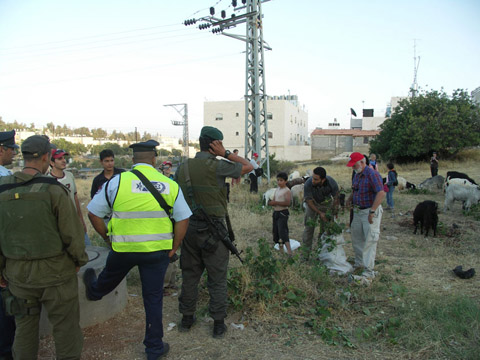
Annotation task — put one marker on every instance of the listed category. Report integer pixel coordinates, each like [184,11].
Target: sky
[115,64]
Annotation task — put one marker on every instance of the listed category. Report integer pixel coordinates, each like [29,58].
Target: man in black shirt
[107,158]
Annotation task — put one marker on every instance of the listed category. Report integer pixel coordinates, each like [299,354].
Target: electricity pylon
[256,127]
[183,111]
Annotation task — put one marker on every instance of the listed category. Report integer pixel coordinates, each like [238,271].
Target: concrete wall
[93,312]
[327,146]
[372,123]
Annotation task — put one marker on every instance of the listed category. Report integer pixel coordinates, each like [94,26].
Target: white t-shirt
[255,166]
[69,182]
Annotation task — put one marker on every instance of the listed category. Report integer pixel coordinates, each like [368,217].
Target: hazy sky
[114,64]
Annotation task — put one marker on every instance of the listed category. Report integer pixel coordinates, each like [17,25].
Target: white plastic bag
[294,244]
[335,260]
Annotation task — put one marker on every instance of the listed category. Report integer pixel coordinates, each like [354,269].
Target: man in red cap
[167,169]
[252,175]
[58,163]
[366,198]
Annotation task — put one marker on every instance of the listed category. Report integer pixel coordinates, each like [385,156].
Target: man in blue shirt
[152,263]
[367,196]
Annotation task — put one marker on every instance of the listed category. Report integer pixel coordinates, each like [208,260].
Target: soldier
[41,268]
[8,149]
[203,179]
[141,234]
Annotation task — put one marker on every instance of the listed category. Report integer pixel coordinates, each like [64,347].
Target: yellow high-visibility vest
[138,222]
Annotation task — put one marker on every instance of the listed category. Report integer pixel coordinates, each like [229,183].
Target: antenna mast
[416,64]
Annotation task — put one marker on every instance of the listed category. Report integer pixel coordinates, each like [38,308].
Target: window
[270,135]
[219,117]
[269,116]
[237,114]
[365,139]
[236,133]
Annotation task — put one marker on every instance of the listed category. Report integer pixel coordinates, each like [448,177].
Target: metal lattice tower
[182,109]
[416,64]
[256,127]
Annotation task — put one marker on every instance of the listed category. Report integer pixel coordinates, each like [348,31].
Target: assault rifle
[219,232]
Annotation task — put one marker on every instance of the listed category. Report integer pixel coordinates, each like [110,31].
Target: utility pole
[182,109]
[256,127]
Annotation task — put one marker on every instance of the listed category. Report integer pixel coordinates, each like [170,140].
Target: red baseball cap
[255,155]
[354,158]
[58,153]
[167,163]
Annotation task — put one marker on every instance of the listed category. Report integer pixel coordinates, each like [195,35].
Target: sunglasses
[59,151]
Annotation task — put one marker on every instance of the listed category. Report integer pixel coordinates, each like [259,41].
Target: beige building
[287,126]
[327,143]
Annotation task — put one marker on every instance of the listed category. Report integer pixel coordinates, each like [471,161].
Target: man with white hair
[366,198]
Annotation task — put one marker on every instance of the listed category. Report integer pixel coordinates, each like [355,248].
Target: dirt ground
[421,263]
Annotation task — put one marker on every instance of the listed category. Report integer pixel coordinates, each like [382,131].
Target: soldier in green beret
[202,180]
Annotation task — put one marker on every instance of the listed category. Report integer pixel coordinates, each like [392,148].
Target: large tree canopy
[431,121]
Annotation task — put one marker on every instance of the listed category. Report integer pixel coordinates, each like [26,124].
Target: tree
[117,149]
[431,121]
[71,148]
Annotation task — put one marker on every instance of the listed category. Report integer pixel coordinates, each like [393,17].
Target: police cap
[144,146]
[36,145]
[7,139]
[211,132]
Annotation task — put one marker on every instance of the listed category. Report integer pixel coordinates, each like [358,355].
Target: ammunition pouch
[19,307]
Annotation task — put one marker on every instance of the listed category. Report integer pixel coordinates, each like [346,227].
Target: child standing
[391,181]
[281,201]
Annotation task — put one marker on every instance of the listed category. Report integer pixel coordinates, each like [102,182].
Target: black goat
[426,214]
[459,175]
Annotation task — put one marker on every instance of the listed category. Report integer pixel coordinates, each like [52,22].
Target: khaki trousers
[365,238]
[61,303]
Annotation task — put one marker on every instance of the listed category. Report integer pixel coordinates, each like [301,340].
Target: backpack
[395,183]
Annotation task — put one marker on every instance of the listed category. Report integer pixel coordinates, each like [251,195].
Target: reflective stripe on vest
[138,222]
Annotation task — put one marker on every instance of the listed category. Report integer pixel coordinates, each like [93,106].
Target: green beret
[211,132]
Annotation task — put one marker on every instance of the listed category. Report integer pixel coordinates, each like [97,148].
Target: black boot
[186,323]
[219,329]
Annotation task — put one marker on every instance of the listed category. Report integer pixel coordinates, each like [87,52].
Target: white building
[287,126]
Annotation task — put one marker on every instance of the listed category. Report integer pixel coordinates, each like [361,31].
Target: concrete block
[93,312]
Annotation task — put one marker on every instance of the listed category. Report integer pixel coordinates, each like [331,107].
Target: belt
[363,207]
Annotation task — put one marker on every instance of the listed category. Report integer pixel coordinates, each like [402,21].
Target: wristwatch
[371,212]
[227,153]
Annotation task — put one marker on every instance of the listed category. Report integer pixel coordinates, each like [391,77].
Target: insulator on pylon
[244,2]
[234,3]
[190,22]
[212,11]
[224,14]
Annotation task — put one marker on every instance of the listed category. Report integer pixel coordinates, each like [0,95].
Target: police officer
[141,234]
[40,262]
[204,182]
[8,150]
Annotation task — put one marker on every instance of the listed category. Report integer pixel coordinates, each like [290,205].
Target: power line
[117,72]
[37,52]
[89,37]
[54,65]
